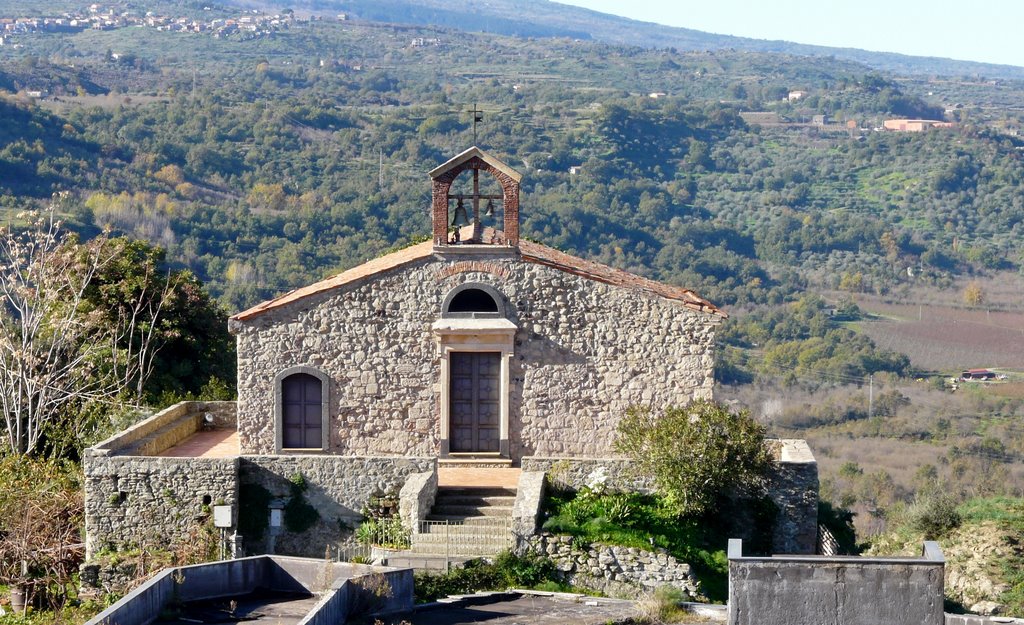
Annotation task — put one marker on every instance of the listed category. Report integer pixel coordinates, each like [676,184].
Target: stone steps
[467,521]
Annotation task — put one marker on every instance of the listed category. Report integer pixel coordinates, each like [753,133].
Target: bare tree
[59,353]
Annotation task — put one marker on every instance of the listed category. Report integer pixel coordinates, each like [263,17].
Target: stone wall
[575,473]
[793,488]
[836,590]
[131,500]
[616,571]
[584,352]
[337,487]
[416,498]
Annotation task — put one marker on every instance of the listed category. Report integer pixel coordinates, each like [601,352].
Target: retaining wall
[616,571]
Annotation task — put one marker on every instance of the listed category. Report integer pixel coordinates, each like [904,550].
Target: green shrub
[935,516]
[696,453]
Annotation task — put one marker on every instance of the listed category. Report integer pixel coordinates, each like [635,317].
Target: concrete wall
[789,590]
[584,352]
[344,588]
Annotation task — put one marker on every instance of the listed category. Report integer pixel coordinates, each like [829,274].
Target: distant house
[796,95]
[915,125]
[978,374]
[819,120]
[657,94]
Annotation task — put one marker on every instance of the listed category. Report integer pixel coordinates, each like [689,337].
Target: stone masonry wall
[337,487]
[584,352]
[792,487]
[616,571]
[131,500]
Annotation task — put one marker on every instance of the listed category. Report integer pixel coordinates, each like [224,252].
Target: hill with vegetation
[543,18]
[263,160]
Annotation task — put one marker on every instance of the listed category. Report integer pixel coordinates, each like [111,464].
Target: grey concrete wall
[795,590]
[342,585]
[132,501]
[584,352]
[338,487]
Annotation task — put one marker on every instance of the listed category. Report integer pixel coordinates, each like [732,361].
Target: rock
[988,608]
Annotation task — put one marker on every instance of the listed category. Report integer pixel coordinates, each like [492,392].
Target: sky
[991,31]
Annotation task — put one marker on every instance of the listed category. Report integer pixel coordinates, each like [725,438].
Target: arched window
[301,409]
[473,300]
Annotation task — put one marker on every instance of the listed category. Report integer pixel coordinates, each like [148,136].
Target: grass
[507,571]
[644,522]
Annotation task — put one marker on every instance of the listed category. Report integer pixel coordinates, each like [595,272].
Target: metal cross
[478,116]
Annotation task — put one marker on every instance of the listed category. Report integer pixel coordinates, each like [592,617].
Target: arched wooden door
[301,412]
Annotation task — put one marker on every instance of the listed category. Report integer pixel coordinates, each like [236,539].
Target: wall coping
[931,553]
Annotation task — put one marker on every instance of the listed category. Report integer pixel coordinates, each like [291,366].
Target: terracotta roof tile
[529,251]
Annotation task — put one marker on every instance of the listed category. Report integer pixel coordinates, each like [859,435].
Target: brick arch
[442,184]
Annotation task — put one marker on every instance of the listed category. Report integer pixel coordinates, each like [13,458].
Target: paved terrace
[211,444]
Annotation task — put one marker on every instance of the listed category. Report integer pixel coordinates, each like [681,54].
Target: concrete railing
[166,428]
[835,590]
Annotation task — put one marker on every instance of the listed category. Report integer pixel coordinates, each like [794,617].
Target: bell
[461,218]
[489,211]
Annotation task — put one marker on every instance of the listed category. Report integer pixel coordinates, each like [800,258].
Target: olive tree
[696,453]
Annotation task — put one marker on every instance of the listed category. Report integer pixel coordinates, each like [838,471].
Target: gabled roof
[478,153]
[529,252]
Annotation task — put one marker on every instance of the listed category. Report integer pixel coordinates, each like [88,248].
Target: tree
[47,347]
[696,453]
[974,295]
[80,328]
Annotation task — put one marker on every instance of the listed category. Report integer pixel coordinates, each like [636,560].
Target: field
[940,334]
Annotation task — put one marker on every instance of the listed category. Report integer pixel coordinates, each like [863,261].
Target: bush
[508,570]
[696,453]
[935,516]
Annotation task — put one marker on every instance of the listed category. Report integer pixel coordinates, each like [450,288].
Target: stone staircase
[467,521]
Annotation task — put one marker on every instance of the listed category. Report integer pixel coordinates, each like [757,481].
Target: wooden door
[301,412]
[475,401]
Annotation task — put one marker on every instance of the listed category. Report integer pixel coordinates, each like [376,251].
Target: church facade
[474,344]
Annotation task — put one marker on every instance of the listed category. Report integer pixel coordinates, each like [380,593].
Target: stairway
[467,521]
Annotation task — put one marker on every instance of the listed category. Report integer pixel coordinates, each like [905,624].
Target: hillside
[543,18]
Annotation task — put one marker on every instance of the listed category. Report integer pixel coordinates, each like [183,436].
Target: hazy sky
[984,30]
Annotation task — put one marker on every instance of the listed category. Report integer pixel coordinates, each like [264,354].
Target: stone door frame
[501,339]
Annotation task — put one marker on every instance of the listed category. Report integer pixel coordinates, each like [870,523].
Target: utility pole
[871,396]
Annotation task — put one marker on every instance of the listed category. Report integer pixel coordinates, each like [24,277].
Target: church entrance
[475,402]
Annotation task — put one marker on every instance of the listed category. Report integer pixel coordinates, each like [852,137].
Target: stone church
[412,375]
[473,344]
